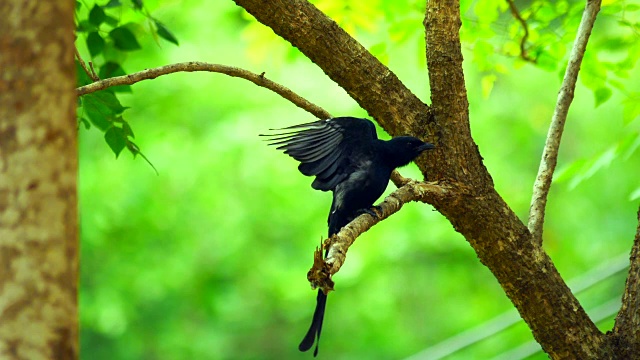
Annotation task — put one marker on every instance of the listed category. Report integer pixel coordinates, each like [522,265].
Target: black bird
[346,157]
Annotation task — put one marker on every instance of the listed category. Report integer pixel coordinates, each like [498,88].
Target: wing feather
[324,147]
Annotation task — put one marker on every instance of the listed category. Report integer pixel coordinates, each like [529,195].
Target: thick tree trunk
[38,175]
[503,243]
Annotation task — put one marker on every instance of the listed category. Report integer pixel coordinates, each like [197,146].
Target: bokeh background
[208,259]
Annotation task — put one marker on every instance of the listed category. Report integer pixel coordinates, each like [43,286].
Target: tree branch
[565,97]
[500,239]
[371,84]
[523,50]
[320,274]
[456,158]
[91,74]
[626,330]
[259,80]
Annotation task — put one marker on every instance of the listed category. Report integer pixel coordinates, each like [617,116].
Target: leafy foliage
[107,41]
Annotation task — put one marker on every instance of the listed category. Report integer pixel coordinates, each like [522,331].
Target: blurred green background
[208,259]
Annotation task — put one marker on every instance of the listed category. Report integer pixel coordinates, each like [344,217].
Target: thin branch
[92,75]
[516,14]
[399,180]
[258,79]
[565,97]
[337,245]
[627,326]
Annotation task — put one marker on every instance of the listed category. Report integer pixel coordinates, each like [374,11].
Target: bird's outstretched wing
[324,147]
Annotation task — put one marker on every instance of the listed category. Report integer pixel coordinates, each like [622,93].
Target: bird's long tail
[313,335]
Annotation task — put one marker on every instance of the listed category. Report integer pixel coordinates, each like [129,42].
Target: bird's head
[403,149]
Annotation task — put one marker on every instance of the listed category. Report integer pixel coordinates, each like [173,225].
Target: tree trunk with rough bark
[38,176]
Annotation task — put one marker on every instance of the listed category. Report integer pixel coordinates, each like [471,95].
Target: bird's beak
[426,146]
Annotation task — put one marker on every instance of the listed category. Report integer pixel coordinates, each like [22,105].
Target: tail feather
[313,335]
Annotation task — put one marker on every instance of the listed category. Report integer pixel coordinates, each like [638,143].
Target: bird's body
[347,158]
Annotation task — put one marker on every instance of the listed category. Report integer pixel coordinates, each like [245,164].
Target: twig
[91,75]
[516,14]
[95,76]
[337,245]
[565,97]
[399,180]
[258,79]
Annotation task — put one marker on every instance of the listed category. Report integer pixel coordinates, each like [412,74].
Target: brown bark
[38,171]
[626,332]
[502,242]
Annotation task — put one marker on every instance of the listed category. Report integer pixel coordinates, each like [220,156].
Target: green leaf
[111,21]
[137,4]
[78,5]
[86,26]
[127,129]
[124,39]
[99,114]
[102,108]
[109,99]
[95,43]
[116,139]
[113,3]
[111,53]
[135,150]
[97,15]
[164,33]
[602,95]
[112,69]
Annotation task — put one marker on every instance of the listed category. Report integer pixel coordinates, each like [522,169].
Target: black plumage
[345,156]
